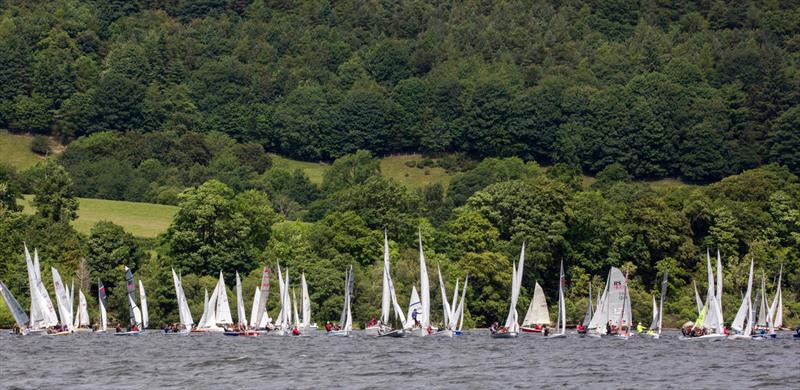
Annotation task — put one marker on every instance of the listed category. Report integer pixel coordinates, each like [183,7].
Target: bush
[40,145]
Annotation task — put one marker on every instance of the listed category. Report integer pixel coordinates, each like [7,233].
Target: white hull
[338,333]
[739,337]
[556,336]
[372,331]
[705,337]
[504,335]
[444,333]
[654,336]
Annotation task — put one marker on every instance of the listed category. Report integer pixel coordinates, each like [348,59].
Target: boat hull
[739,337]
[394,334]
[444,333]
[504,335]
[708,337]
[66,333]
[338,333]
[133,333]
[556,336]
[526,329]
[373,331]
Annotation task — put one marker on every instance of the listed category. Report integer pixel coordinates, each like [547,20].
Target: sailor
[580,328]
[328,326]
[546,331]
[608,327]
[295,331]
[493,328]
[414,316]
[640,327]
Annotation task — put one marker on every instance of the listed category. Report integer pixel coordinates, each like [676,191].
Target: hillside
[145,220]
[15,150]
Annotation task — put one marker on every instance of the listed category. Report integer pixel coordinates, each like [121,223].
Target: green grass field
[314,171]
[395,167]
[16,150]
[140,219]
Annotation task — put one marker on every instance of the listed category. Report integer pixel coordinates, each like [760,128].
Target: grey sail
[589,310]
[131,295]
[16,310]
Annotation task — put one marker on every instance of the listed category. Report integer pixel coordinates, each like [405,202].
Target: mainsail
[385,296]
[263,294]
[143,301]
[414,307]
[43,314]
[135,314]
[775,314]
[223,310]
[16,310]
[445,305]
[306,318]
[587,318]
[762,310]
[562,310]
[240,315]
[184,314]
[62,299]
[425,299]
[101,303]
[537,310]
[697,298]
[614,304]
[203,323]
[744,312]
[512,323]
[82,319]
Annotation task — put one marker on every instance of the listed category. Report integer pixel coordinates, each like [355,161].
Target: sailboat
[709,323]
[22,319]
[388,301]
[453,312]
[305,324]
[184,314]
[613,313]
[216,310]
[422,326]
[346,319]
[537,316]
[43,314]
[284,321]
[101,303]
[259,319]
[135,313]
[62,300]
[658,311]
[241,325]
[745,313]
[587,318]
[561,321]
[775,313]
[511,328]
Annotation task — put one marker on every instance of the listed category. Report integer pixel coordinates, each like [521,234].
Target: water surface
[473,361]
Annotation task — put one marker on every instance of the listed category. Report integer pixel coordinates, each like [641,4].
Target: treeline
[696,89]
[476,228]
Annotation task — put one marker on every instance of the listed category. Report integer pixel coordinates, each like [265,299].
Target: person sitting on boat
[118,328]
[372,322]
[328,326]
[546,331]
[609,327]
[580,329]
[640,327]
[295,331]
[493,328]
[414,317]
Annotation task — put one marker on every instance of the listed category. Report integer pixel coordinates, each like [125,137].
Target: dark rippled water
[473,361]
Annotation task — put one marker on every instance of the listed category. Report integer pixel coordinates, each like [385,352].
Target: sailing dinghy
[184,315]
[745,313]
[383,327]
[421,326]
[346,319]
[101,303]
[587,318]
[62,300]
[537,316]
[453,312]
[709,324]
[22,319]
[135,313]
[561,321]
[82,315]
[511,328]
[612,317]
[43,314]
[658,311]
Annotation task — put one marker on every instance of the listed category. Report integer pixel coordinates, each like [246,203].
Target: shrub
[40,145]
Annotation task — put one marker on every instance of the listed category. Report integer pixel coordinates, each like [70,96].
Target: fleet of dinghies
[609,316]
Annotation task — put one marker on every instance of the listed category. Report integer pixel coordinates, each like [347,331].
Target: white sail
[445,305]
[223,308]
[137,314]
[775,315]
[462,305]
[254,308]
[348,322]
[744,309]
[512,323]
[664,285]
[43,313]
[296,322]
[762,311]
[654,322]
[306,321]
[713,317]
[600,317]
[562,310]
[263,295]
[425,289]
[614,304]
[281,290]
[61,299]
[184,314]
[718,296]
[240,303]
[203,323]
[414,305]
[14,307]
[385,297]
[287,304]
[83,310]
[143,301]
[71,303]
[537,310]
[453,308]
[211,316]
[103,313]
[697,299]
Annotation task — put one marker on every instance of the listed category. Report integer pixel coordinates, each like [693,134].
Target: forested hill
[696,89]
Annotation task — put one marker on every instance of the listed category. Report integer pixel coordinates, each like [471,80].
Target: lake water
[473,361]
